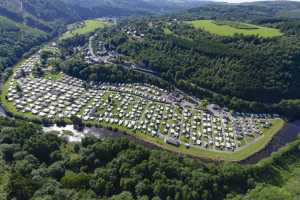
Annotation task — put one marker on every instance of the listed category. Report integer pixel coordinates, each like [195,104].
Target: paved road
[91,46]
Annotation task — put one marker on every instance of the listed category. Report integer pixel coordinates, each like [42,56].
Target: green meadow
[84,27]
[228,28]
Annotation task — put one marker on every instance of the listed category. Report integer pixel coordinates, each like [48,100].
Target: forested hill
[132,7]
[27,23]
[40,14]
[272,10]
[240,71]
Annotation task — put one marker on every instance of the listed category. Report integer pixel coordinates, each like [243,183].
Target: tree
[77,122]
[75,181]
[8,150]
[123,196]
[42,146]
[57,170]
[21,187]
[19,89]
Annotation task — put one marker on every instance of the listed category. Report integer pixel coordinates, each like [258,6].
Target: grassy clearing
[54,76]
[167,31]
[230,28]
[86,27]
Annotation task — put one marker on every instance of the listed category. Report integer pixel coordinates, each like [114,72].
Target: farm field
[228,28]
[84,27]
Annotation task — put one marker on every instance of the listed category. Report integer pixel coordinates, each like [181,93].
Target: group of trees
[15,40]
[76,67]
[36,165]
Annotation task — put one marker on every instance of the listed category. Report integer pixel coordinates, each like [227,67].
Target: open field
[84,27]
[167,31]
[53,76]
[230,28]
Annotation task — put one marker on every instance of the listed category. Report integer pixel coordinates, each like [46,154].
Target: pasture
[228,28]
[84,27]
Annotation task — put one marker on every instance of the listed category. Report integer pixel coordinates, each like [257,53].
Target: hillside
[38,14]
[235,70]
[137,7]
[28,24]
[10,48]
[249,11]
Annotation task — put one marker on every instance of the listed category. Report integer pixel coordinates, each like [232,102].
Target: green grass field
[167,31]
[88,27]
[54,76]
[227,28]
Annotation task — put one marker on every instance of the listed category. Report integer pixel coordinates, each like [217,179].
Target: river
[77,135]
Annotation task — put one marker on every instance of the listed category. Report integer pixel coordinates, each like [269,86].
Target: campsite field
[235,156]
[227,28]
[84,27]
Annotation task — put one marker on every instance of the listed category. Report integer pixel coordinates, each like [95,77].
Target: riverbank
[286,134]
[205,154]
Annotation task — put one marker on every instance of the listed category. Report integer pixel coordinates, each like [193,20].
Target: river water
[77,135]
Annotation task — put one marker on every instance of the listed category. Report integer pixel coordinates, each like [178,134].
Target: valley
[163,117]
[149,100]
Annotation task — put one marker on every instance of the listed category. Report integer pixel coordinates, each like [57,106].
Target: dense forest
[98,8]
[37,165]
[12,49]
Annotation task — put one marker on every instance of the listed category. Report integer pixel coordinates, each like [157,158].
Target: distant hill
[250,11]
[27,23]
[130,7]
[40,14]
